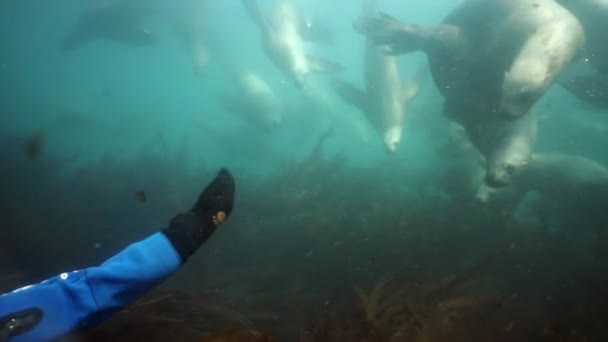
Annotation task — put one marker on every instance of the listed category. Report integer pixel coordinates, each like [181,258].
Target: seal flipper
[322,65]
[591,89]
[541,59]
[410,91]
[350,94]
[132,35]
[83,32]
[399,37]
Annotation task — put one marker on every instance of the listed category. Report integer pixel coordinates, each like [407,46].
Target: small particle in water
[141,196]
[34,145]
[97,245]
[107,92]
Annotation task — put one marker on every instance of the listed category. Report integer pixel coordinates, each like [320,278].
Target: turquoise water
[320,205]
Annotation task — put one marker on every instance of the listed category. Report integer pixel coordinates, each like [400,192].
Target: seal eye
[510,169]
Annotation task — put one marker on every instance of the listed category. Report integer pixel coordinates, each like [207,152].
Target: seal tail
[80,35]
[253,10]
[317,33]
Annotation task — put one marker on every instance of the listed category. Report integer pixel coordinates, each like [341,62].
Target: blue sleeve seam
[86,275]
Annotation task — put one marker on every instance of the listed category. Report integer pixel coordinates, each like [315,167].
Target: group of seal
[492,60]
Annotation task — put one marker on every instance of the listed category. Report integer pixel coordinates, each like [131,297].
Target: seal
[118,21]
[574,189]
[283,42]
[122,21]
[506,145]
[255,102]
[492,56]
[385,98]
[384,104]
[591,87]
[462,175]
[564,175]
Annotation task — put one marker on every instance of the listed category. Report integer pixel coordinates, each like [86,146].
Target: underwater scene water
[405,171]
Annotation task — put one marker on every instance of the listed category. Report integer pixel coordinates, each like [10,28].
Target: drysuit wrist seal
[187,232]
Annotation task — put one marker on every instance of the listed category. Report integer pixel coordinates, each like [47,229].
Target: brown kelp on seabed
[302,250]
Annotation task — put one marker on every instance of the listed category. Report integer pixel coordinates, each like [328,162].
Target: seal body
[565,176]
[385,98]
[255,102]
[125,21]
[283,42]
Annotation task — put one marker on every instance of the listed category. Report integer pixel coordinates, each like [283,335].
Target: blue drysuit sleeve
[86,297]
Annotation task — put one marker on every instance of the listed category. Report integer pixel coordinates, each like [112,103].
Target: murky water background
[332,239]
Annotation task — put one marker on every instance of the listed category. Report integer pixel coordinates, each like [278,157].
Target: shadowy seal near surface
[118,21]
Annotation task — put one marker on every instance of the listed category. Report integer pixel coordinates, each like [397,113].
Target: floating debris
[34,145]
[141,196]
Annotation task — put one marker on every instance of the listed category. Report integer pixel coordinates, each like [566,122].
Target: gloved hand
[188,231]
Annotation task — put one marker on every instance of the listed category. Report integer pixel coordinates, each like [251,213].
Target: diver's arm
[83,298]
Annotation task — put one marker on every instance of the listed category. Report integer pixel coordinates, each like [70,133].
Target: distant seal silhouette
[118,21]
[562,175]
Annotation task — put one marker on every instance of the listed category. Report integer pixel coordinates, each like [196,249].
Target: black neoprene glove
[188,231]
